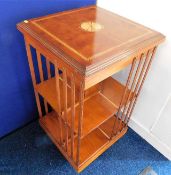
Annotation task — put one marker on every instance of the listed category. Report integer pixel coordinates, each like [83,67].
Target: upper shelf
[96,111]
[47,89]
[90,37]
[113,91]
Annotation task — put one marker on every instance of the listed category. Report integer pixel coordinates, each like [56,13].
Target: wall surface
[152,115]
[17,103]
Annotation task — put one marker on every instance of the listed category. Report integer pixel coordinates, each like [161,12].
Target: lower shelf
[108,126]
[50,122]
[96,111]
[92,145]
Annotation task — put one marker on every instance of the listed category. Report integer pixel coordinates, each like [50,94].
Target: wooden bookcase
[82,108]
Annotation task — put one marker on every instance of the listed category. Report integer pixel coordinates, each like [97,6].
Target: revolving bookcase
[72,56]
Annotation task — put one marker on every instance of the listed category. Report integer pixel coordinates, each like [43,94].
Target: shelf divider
[99,106]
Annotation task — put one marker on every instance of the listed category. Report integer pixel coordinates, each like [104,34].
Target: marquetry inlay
[91,26]
[25,21]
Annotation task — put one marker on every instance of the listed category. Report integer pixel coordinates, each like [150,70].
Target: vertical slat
[57,78]
[131,89]
[65,106]
[30,61]
[142,82]
[72,112]
[39,61]
[80,121]
[139,81]
[123,96]
[48,68]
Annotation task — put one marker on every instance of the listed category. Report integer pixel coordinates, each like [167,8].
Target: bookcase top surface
[91,36]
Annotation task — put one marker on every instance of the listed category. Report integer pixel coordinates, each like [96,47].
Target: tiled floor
[29,151]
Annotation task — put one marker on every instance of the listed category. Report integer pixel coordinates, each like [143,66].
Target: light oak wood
[57,99]
[102,110]
[113,91]
[30,61]
[72,114]
[80,121]
[134,81]
[105,103]
[92,51]
[65,96]
[86,109]
[48,90]
[91,146]
[142,76]
[107,127]
[39,61]
[124,95]
[48,69]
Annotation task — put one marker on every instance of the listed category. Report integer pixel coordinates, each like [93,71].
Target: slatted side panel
[33,76]
[136,78]
[40,68]
[140,82]
[43,107]
[66,86]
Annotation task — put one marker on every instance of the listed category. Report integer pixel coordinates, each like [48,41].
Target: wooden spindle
[48,68]
[57,78]
[123,96]
[72,113]
[39,61]
[80,121]
[30,61]
[65,106]
[131,89]
[138,82]
[134,84]
[142,77]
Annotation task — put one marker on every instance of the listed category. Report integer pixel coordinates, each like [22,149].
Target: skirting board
[150,138]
